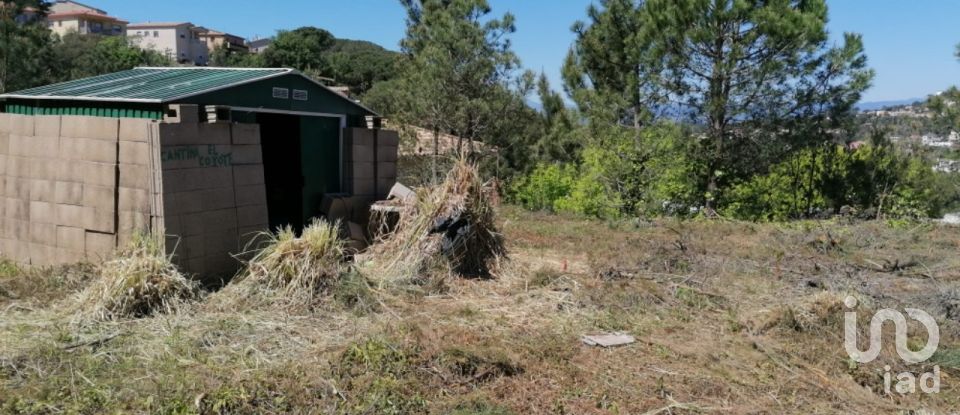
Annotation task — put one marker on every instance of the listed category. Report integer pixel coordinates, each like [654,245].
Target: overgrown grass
[729,317]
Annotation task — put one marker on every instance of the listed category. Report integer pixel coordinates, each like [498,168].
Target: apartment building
[69,16]
[180,41]
[215,39]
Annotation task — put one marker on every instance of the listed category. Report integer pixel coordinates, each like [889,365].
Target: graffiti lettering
[209,158]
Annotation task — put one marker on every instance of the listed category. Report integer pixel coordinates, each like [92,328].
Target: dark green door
[320,161]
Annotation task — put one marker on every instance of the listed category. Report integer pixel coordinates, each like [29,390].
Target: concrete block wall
[213,193]
[370,162]
[73,187]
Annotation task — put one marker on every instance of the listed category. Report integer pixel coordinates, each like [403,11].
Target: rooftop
[89,15]
[149,85]
[159,24]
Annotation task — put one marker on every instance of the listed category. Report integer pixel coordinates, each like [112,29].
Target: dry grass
[696,295]
[139,281]
[291,270]
[450,229]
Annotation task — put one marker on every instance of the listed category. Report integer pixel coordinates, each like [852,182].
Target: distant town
[183,42]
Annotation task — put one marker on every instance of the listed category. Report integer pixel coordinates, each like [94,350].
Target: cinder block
[388,138]
[18,209]
[248,175]
[66,256]
[195,266]
[194,156]
[361,187]
[179,134]
[251,195]
[43,212]
[171,225]
[247,154]
[219,220]
[18,230]
[71,238]
[359,170]
[135,176]
[192,246]
[88,173]
[19,145]
[358,136]
[218,177]
[182,113]
[70,215]
[4,143]
[359,153]
[43,190]
[99,197]
[99,220]
[100,245]
[183,202]
[18,166]
[5,123]
[192,224]
[223,242]
[88,149]
[133,221]
[43,233]
[386,170]
[21,124]
[36,146]
[219,266]
[134,129]
[43,169]
[216,199]
[246,133]
[218,133]
[43,255]
[68,193]
[134,200]
[47,125]
[387,154]
[252,215]
[101,128]
[133,152]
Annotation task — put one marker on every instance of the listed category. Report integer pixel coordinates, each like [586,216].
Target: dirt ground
[729,317]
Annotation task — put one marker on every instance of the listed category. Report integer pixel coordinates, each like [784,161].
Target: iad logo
[906,381]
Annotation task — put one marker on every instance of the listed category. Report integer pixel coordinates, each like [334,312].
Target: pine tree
[25,44]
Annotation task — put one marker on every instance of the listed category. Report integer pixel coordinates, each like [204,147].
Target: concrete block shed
[209,156]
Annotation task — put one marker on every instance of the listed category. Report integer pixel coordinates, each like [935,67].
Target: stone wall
[214,197]
[73,187]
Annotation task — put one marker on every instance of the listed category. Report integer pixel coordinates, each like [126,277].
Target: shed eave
[69,98]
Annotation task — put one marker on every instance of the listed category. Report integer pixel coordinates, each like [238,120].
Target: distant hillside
[876,105]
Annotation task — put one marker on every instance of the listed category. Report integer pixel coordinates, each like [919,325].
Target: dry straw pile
[294,270]
[138,282]
[449,227]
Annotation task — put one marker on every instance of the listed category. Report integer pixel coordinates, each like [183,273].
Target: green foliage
[876,181]
[80,56]
[224,56]
[303,49]
[360,64]
[25,46]
[619,173]
[544,186]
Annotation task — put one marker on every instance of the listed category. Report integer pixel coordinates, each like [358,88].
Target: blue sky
[909,43]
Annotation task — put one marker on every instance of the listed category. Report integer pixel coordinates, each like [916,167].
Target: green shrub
[546,184]
[875,179]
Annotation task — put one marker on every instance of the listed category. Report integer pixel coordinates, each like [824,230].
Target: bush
[877,179]
[618,173]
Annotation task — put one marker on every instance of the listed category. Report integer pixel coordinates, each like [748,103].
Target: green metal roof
[150,85]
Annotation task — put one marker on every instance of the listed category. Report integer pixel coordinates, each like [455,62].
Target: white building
[181,41]
[69,16]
